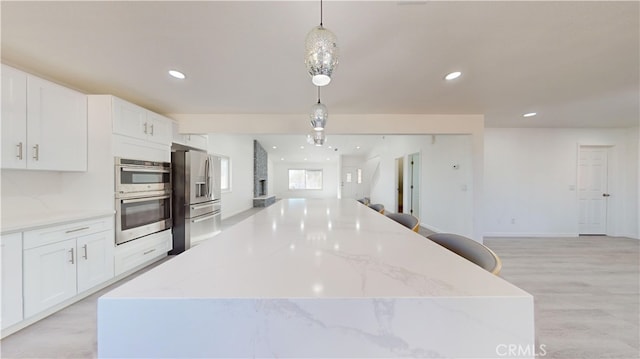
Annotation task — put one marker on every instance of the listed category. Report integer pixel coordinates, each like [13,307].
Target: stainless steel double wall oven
[142,198]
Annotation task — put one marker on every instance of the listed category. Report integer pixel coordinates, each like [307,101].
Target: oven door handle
[129,169]
[144,199]
[200,219]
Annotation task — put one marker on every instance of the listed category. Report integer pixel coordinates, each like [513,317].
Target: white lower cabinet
[11,267]
[143,250]
[49,276]
[62,261]
[95,259]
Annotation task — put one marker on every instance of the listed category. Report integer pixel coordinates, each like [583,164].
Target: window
[359,175]
[225,174]
[305,179]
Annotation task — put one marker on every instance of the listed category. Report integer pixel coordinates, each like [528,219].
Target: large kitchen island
[316,279]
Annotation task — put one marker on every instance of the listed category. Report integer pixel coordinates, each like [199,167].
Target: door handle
[606,195]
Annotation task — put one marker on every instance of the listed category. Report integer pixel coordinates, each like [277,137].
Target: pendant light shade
[319,138]
[321,55]
[319,115]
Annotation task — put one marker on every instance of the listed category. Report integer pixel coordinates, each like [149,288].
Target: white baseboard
[431,228]
[528,234]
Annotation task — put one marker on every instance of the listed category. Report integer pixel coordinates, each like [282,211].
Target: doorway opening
[414,184]
[593,190]
[399,184]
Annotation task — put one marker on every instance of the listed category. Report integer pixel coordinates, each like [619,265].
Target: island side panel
[461,327]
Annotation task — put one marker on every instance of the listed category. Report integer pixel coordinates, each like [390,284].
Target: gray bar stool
[469,249]
[406,220]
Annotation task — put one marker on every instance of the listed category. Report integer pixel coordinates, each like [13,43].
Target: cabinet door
[56,127]
[129,119]
[11,279]
[14,118]
[49,276]
[159,129]
[95,259]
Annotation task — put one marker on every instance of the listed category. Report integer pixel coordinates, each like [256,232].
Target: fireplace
[262,188]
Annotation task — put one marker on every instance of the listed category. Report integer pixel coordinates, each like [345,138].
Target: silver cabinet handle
[76,230]
[200,219]
[152,129]
[72,260]
[19,148]
[134,169]
[606,195]
[145,128]
[149,251]
[86,252]
[36,152]
[135,200]
[200,206]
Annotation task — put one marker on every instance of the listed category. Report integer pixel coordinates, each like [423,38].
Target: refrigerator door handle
[206,176]
[210,176]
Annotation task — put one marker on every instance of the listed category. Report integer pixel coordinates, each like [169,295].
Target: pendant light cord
[320,13]
[318,94]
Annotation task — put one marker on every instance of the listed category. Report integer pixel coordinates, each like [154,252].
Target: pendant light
[319,138]
[321,53]
[319,115]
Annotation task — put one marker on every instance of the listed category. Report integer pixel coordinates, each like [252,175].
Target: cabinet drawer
[53,234]
[132,254]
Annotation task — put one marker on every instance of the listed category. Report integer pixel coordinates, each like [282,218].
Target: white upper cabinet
[137,122]
[159,128]
[14,118]
[44,125]
[194,141]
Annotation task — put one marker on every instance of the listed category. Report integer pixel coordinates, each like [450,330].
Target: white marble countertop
[11,222]
[317,249]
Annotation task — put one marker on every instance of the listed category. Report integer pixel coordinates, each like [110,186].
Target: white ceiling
[295,149]
[575,63]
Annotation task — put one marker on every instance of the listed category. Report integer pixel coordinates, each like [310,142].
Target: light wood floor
[586,294]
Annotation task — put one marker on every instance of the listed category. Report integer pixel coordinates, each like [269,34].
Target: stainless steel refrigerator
[196,198]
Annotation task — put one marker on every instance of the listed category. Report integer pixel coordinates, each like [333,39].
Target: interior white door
[348,181]
[592,190]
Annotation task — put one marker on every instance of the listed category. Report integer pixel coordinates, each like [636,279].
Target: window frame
[229,173]
[305,178]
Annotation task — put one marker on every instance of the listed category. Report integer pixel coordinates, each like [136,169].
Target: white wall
[329,180]
[446,194]
[529,174]
[239,148]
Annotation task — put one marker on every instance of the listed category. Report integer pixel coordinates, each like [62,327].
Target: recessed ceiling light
[305,159]
[530,114]
[330,147]
[177,74]
[282,159]
[328,159]
[274,147]
[357,147]
[302,147]
[453,75]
